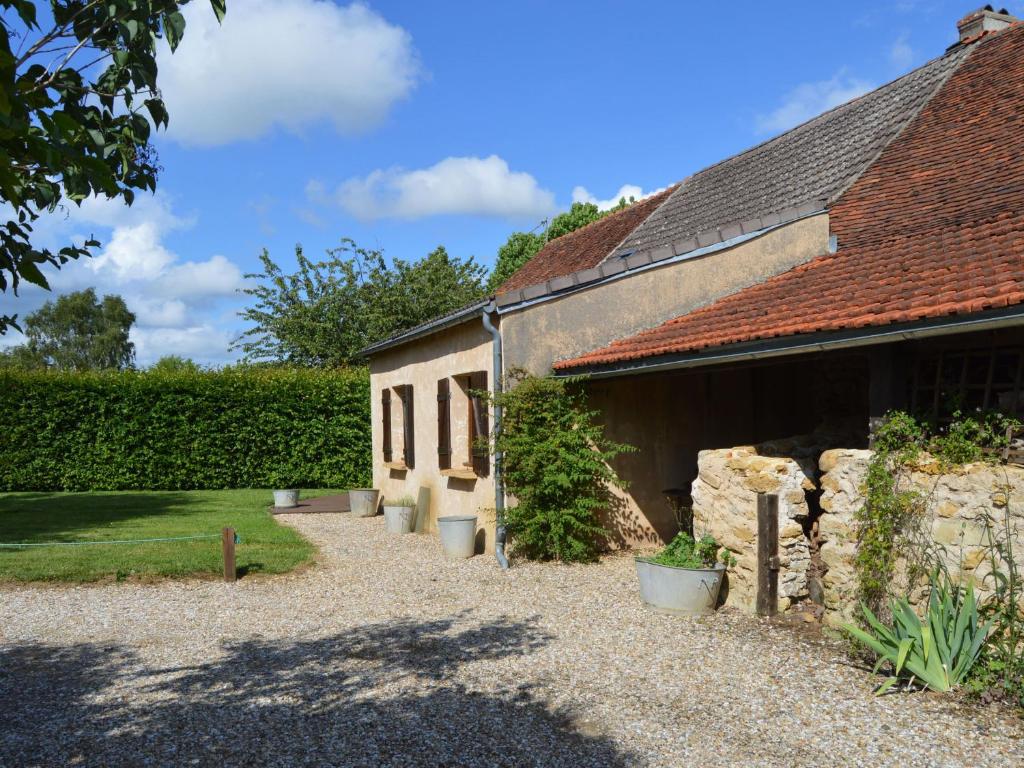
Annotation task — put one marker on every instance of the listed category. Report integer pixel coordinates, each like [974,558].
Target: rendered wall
[538,335]
[453,352]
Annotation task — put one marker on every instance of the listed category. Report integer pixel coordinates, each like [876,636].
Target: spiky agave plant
[936,651]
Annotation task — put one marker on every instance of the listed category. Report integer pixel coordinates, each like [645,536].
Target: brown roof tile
[934,227]
[585,247]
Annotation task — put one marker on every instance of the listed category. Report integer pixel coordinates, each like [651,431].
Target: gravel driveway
[385,654]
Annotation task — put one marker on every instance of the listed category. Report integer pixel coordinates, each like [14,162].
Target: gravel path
[387,655]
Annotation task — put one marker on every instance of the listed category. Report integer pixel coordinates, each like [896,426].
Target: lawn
[265,546]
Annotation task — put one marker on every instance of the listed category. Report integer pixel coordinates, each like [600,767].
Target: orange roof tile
[934,227]
[585,247]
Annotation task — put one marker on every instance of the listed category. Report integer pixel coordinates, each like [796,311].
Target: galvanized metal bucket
[285,499]
[679,591]
[458,535]
[363,501]
[398,519]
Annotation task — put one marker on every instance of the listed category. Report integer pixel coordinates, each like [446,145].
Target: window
[948,380]
[462,426]
[398,426]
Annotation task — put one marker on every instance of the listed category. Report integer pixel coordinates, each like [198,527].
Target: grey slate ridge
[817,160]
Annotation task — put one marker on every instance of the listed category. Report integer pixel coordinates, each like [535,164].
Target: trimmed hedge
[237,428]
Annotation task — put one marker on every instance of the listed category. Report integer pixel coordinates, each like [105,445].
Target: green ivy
[889,522]
[557,464]
[242,427]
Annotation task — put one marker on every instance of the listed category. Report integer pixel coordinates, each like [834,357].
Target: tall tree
[410,293]
[578,215]
[78,332]
[326,311]
[76,100]
[517,250]
[311,317]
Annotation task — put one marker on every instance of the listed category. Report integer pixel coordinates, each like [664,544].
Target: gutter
[796,345]
[457,317]
[500,533]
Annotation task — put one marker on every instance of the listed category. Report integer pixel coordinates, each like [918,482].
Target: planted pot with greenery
[399,514]
[685,577]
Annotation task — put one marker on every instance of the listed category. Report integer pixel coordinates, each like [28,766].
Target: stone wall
[725,505]
[817,534]
[956,504]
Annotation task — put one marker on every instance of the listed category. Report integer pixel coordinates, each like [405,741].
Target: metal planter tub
[679,591]
[399,519]
[364,501]
[458,535]
[286,499]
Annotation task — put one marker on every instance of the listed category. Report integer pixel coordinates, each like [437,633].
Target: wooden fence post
[227,540]
[767,554]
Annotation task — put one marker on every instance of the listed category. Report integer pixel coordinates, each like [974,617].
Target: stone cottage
[758,313]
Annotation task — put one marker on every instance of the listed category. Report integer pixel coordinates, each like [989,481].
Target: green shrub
[242,427]
[890,525]
[684,552]
[937,651]
[556,462]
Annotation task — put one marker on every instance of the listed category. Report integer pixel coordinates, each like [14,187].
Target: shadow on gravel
[382,695]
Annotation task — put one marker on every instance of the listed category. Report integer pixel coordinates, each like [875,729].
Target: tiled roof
[585,247]
[935,227]
[817,160]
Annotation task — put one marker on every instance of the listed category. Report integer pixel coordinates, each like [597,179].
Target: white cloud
[283,63]
[171,298]
[483,186]
[196,342]
[582,195]
[809,100]
[901,55]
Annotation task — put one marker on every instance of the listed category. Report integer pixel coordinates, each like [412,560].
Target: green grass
[266,546]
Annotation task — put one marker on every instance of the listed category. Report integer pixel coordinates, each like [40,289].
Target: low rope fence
[229,538]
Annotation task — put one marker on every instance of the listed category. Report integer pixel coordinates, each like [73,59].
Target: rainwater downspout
[500,533]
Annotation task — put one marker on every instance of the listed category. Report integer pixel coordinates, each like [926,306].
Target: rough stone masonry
[815,540]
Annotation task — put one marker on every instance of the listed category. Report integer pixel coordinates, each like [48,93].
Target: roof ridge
[964,50]
[666,193]
[846,104]
[611,214]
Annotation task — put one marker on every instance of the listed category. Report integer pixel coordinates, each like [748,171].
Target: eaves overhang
[1006,317]
[616,268]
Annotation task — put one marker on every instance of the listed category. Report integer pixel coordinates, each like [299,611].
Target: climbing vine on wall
[890,525]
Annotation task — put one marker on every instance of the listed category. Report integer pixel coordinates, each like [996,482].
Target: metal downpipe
[500,534]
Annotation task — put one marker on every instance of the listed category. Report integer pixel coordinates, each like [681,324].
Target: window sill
[459,474]
[397,465]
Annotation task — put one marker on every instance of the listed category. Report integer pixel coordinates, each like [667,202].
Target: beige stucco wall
[652,414]
[460,350]
[540,334]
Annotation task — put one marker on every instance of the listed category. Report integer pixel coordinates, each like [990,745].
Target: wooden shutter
[385,405]
[444,427]
[479,447]
[409,447]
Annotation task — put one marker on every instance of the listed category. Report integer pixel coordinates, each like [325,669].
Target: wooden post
[767,554]
[227,540]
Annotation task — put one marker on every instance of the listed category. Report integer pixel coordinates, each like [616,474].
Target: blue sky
[411,125]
